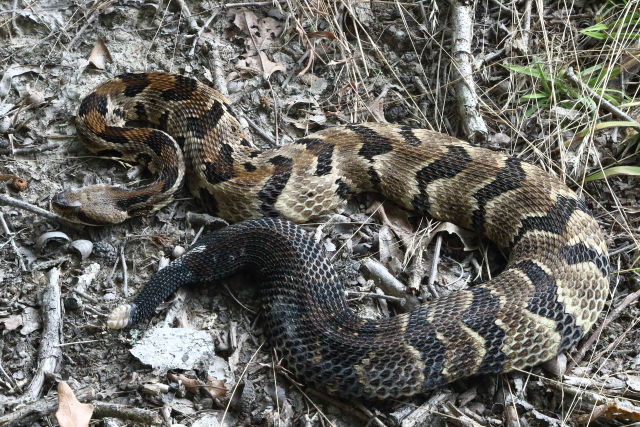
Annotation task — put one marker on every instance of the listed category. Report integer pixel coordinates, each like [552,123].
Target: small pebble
[178,251]
[106,251]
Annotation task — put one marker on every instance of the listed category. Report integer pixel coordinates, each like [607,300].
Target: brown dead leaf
[214,388]
[99,55]
[191,384]
[71,413]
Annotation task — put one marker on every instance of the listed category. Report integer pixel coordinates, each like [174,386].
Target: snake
[548,296]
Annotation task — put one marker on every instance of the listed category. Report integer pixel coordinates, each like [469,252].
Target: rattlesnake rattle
[550,294]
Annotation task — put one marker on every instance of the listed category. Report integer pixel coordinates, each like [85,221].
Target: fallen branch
[122,412]
[372,269]
[10,201]
[14,245]
[32,412]
[50,352]
[605,104]
[184,9]
[30,149]
[462,23]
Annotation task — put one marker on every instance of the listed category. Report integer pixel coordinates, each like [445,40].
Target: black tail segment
[210,258]
[161,285]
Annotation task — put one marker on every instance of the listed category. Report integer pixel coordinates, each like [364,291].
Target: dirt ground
[292,67]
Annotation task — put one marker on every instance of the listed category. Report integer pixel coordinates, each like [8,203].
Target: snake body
[550,294]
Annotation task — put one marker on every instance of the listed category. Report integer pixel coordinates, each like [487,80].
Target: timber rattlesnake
[550,294]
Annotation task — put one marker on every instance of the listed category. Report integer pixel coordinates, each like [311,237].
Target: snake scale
[551,292]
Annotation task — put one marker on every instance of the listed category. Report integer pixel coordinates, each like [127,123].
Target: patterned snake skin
[550,294]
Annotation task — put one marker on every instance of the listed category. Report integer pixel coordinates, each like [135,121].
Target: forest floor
[556,83]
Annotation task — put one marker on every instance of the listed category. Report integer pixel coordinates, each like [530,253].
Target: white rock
[174,348]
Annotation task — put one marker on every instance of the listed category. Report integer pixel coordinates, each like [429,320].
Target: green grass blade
[614,171]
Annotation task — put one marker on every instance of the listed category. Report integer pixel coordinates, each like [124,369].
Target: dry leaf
[214,388]
[377,106]
[263,32]
[260,63]
[469,238]
[11,72]
[99,55]
[71,413]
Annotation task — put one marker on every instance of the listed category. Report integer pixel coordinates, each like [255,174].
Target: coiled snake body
[550,294]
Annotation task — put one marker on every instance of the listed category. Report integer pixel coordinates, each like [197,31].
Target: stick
[462,22]
[125,272]
[188,16]
[122,412]
[9,234]
[200,31]
[10,201]
[433,274]
[249,4]
[25,415]
[30,150]
[605,104]
[377,272]
[50,353]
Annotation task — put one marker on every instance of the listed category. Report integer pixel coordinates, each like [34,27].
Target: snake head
[92,205]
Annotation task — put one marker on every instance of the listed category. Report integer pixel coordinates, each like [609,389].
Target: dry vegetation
[556,82]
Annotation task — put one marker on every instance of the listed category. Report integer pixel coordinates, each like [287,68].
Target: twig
[30,150]
[9,234]
[199,34]
[125,272]
[526,28]
[122,412]
[219,81]
[433,274]
[462,23]
[92,17]
[423,415]
[359,295]
[8,378]
[631,298]
[347,407]
[10,201]
[262,133]
[26,414]
[377,272]
[14,26]
[249,4]
[50,354]
[605,104]
[188,16]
